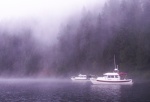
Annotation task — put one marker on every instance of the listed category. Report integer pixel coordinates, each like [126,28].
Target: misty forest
[85,44]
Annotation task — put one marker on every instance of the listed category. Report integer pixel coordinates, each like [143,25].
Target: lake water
[68,91]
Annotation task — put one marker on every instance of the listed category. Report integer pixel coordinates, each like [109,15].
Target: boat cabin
[114,76]
[79,77]
[111,76]
[82,76]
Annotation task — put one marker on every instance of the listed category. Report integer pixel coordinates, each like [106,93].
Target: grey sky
[47,15]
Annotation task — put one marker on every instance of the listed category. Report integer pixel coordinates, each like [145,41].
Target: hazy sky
[48,14]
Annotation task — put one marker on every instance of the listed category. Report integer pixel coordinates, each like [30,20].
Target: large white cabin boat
[114,77]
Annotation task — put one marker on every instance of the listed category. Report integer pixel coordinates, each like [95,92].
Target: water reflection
[48,90]
[107,93]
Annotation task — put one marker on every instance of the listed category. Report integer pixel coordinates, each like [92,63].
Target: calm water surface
[68,91]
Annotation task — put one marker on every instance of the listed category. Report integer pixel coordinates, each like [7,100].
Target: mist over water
[45,39]
[44,43]
[29,34]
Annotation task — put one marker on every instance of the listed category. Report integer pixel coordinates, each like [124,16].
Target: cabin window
[112,76]
[116,76]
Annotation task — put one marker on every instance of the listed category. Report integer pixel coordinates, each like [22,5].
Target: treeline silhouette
[86,45]
[122,29]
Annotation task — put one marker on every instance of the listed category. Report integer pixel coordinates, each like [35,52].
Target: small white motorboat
[114,77]
[81,77]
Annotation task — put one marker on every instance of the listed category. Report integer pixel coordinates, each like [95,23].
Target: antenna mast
[114,61]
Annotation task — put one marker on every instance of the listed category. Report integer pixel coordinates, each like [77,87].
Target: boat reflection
[106,87]
[108,93]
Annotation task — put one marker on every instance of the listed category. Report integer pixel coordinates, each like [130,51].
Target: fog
[30,30]
[31,80]
[64,38]
[42,17]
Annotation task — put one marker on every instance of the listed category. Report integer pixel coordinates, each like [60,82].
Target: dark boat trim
[81,79]
[114,81]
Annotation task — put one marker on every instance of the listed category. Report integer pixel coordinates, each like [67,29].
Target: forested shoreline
[86,45]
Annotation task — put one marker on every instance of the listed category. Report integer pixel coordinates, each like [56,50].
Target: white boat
[81,77]
[114,77]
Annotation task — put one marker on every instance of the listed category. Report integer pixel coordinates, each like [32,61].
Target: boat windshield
[110,76]
[116,76]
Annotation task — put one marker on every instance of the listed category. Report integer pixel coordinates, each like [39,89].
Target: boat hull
[123,82]
[77,79]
